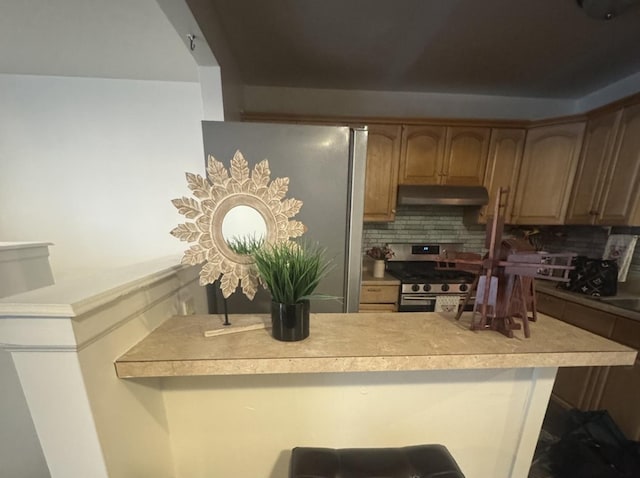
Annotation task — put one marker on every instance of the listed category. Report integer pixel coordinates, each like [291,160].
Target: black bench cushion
[419,461]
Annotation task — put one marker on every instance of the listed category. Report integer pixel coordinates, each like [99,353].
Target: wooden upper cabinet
[422,154]
[549,164]
[465,156]
[503,166]
[620,203]
[592,168]
[381,178]
[455,155]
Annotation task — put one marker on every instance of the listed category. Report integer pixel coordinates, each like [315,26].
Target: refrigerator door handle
[353,269]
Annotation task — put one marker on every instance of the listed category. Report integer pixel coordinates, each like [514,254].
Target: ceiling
[533,48]
[92,38]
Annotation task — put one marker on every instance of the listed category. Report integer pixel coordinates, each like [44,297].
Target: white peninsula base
[245,426]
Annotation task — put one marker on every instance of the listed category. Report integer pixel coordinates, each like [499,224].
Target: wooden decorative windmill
[504,284]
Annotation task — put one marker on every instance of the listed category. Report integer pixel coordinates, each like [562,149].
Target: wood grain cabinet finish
[622,385]
[379,298]
[465,156]
[620,204]
[578,387]
[381,177]
[550,305]
[454,155]
[596,388]
[422,156]
[503,166]
[549,164]
[591,175]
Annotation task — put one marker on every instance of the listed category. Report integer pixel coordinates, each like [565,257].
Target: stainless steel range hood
[442,195]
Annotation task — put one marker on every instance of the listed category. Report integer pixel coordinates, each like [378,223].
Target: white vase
[378,269]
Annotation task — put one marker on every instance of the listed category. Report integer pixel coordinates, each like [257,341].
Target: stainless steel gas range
[427,285]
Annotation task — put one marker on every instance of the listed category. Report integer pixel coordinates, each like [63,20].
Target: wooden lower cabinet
[572,386]
[620,398]
[578,387]
[550,305]
[378,308]
[379,298]
[622,384]
[596,388]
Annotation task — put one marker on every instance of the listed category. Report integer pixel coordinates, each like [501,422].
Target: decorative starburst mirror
[230,206]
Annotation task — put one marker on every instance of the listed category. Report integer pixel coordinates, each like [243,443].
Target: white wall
[625,87]
[400,104]
[307,101]
[20,452]
[92,164]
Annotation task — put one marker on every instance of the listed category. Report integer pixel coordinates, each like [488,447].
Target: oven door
[425,303]
[417,303]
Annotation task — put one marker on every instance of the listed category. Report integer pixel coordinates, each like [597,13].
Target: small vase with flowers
[379,254]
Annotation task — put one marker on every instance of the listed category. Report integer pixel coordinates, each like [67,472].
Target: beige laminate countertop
[361,342]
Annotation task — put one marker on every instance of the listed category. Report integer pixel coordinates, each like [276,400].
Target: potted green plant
[291,271]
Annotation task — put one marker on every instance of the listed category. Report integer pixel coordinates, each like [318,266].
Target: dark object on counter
[595,277]
[594,447]
[425,461]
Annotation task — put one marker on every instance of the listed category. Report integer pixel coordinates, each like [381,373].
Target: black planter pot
[290,323]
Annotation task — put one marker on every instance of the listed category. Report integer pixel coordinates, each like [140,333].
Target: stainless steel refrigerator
[326,168]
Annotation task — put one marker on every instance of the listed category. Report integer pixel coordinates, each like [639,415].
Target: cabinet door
[594,320]
[465,156]
[550,305]
[422,154]
[381,178]
[548,168]
[581,387]
[619,398]
[379,294]
[622,383]
[620,200]
[503,166]
[572,386]
[590,176]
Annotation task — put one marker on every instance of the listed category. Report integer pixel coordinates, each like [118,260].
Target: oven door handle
[418,297]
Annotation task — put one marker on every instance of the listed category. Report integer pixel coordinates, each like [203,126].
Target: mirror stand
[226,314]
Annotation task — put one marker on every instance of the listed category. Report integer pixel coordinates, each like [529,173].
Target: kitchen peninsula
[368,379]
[235,405]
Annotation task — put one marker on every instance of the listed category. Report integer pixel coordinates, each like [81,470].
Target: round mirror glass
[243,222]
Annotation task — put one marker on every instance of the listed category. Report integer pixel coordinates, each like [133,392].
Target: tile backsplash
[445,224]
[428,224]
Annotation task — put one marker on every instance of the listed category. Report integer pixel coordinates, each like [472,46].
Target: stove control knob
[426,287]
[415,287]
[445,287]
[464,287]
